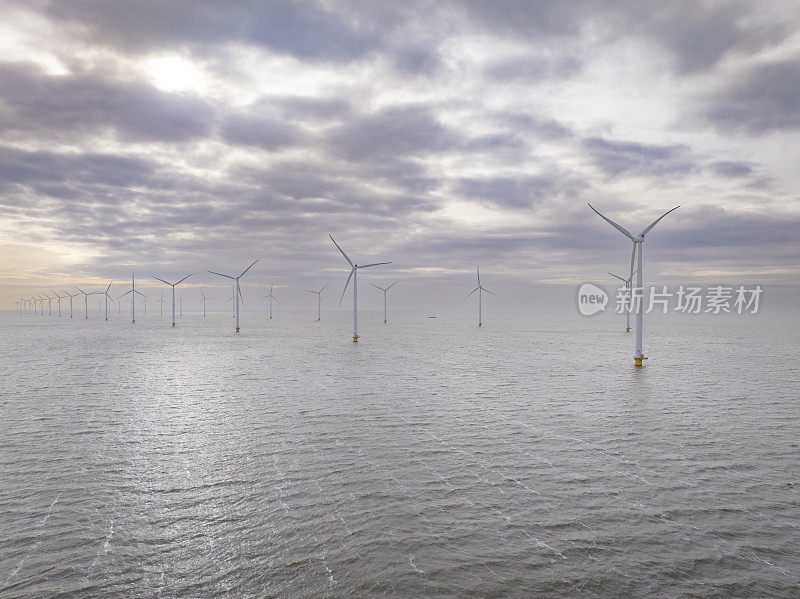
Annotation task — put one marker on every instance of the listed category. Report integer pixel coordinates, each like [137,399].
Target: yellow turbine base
[480,324]
[384,322]
[237,329]
[637,360]
[628,330]
[355,338]
[173,324]
[133,321]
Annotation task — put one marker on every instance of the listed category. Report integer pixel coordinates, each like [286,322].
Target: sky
[175,137]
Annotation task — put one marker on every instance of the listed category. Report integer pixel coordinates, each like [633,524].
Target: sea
[433,458]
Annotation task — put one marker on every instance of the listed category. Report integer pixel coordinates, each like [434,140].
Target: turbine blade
[617,277]
[619,228]
[248,268]
[376,287]
[323,287]
[346,257]
[487,291]
[109,285]
[222,275]
[478,269]
[162,280]
[241,295]
[655,222]
[350,276]
[373,264]
[121,296]
[390,286]
[633,257]
[633,273]
[471,292]
[183,279]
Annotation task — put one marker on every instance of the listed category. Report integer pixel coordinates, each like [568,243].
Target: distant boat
[431,317]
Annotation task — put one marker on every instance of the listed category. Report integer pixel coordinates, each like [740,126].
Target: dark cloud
[763,99]
[62,105]
[626,158]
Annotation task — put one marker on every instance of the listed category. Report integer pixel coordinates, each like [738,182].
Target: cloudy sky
[173,137]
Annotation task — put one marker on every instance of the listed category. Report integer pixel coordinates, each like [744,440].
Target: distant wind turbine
[480,289]
[107,297]
[628,290]
[86,300]
[161,304]
[133,293]
[637,241]
[354,268]
[237,289]
[71,295]
[203,301]
[319,301]
[173,285]
[384,297]
[270,297]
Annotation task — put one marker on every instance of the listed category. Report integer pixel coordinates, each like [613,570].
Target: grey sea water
[433,458]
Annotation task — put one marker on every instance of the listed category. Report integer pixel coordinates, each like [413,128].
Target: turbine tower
[354,268]
[173,285]
[480,289]
[384,297]
[237,289]
[638,241]
[319,301]
[271,297]
[161,304]
[628,290]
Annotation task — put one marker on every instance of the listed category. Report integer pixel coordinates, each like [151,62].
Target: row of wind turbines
[636,268]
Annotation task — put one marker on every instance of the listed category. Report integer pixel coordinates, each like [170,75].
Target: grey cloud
[763,99]
[627,158]
[531,124]
[266,133]
[533,68]
[33,102]
[519,192]
[731,169]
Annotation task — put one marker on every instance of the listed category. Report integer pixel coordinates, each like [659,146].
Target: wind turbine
[637,241]
[133,293]
[354,268]
[480,289]
[628,289]
[161,303]
[173,285]
[319,301]
[203,301]
[384,297]
[49,305]
[71,295]
[86,300]
[271,297]
[107,297]
[59,302]
[237,289]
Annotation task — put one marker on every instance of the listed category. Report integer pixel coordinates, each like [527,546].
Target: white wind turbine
[480,289]
[638,241]
[237,290]
[59,302]
[203,301]
[161,304]
[107,297]
[384,297]
[319,301]
[71,295]
[133,293]
[628,290]
[354,268]
[86,300]
[270,297]
[49,304]
[173,285]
